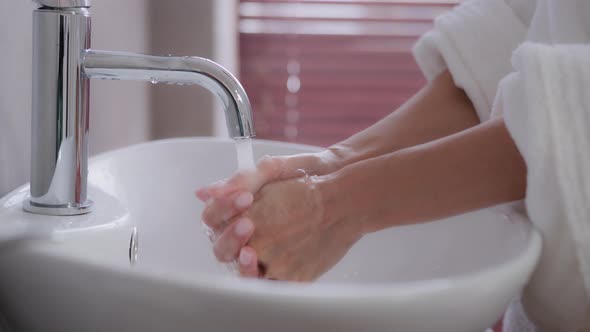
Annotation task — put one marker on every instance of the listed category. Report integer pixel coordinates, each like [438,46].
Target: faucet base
[58,210]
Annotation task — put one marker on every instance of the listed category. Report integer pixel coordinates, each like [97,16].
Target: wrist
[336,198]
[359,193]
[329,160]
[316,163]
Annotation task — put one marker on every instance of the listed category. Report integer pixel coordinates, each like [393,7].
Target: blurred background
[315,71]
[319,71]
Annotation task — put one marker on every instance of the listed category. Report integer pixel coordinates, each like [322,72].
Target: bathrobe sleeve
[546,106]
[474,42]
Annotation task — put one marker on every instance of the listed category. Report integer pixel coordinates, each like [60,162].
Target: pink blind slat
[318,71]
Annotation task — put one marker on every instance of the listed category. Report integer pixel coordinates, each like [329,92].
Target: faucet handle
[64,3]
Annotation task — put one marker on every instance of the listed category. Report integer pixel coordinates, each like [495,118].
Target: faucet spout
[179,70]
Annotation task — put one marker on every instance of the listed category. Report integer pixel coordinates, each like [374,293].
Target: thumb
[267,170]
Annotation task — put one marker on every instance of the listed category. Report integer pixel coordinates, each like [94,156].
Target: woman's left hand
[293,239]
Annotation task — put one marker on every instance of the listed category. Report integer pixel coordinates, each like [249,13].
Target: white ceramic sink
[453,275]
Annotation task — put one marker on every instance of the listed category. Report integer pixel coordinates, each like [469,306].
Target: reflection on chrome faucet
[63,64]
[134,246]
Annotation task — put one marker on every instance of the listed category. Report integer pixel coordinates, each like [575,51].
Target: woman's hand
[292,226]
[438,110]
[292,238]
[227,199]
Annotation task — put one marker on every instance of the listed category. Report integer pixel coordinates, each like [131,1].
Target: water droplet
[153,80]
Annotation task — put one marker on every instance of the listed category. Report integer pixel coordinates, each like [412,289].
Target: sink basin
[141,262]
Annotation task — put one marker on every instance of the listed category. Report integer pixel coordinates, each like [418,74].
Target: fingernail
[246,257]
[244,227]
[244,200]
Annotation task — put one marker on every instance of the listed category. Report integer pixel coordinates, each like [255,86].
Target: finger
[233,238]
[202,194]
[268,169]
[248,263]
[218,211]
[242,181]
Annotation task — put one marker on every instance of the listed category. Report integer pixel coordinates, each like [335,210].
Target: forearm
[473,169]
[438,110]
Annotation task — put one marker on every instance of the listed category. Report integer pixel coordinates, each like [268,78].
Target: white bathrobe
[529,60]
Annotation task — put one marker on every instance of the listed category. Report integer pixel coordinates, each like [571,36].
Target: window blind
[318,71]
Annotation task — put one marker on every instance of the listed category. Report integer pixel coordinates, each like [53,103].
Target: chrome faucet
[63,64]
